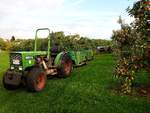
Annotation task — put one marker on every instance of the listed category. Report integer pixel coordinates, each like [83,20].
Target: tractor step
[51,71]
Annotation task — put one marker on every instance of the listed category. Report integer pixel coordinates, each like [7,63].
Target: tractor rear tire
[36,79]
[66,67]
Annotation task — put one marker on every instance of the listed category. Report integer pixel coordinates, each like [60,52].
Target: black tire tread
[61,72]
[32,76]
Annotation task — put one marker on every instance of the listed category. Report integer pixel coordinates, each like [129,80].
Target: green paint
[58,58]
[28,58]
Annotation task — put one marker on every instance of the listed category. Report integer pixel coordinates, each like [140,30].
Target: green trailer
[31,68]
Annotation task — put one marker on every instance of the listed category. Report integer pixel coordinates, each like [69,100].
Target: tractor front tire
[36,79]
[66,67]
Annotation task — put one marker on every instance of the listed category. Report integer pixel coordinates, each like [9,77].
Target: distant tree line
[72,42]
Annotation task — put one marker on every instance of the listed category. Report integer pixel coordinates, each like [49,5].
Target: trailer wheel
[8,86]
[36,79]
[66,66]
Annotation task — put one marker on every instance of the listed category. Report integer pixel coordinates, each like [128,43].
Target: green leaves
[132,42]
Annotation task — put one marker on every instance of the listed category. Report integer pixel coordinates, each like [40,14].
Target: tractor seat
[55,50]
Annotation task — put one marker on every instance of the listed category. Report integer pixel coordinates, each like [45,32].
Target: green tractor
[31,68]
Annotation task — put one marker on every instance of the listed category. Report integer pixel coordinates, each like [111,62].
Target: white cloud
[22,17]
[95,24]
[76,2]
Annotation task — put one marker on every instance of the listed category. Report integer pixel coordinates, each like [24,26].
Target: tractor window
[42,41]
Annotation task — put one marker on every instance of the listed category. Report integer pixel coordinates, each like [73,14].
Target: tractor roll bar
[35,44]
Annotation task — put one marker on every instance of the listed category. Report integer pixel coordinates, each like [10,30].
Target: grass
[86,91]
[3,61]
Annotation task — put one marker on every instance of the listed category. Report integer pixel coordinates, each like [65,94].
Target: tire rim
[41,82]
[67,67]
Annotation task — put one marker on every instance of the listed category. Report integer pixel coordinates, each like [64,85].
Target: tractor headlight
[12,67]
[20,68]
[148,21]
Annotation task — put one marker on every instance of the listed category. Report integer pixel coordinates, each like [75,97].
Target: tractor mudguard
[58,58]
[57,61]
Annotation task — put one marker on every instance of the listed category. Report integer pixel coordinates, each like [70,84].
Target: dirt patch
[143,91]
[138,90]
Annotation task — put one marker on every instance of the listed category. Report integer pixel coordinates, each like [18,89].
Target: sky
[90,18]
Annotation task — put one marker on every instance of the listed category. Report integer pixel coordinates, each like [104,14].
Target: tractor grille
[15,58]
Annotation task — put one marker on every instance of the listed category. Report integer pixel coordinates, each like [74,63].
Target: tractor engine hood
[24,59]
